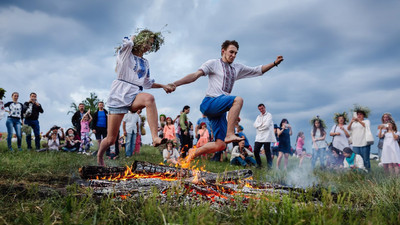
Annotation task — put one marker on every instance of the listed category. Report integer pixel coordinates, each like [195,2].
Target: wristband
[275,64]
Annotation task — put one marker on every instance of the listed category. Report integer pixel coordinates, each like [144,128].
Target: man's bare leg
[210,147]
[143,100]
[233,116]
[113,123]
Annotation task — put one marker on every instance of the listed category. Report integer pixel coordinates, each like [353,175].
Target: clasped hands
[169,88]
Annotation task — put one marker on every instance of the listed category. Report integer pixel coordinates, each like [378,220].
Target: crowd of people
[219,126]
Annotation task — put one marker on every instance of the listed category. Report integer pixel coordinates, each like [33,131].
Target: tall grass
[40,188]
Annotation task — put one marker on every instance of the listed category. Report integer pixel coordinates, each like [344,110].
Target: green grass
[40,188]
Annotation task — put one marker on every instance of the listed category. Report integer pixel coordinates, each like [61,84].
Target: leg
[314,157]
[257,148]
[322,157]
[250,160]
[233,116]
[145,100]
[9,124]
[17,127]
[128,144]
[113,124]
[210,147]
[286,160]
[36,132]
[267,149]
[278,161]
[28,137]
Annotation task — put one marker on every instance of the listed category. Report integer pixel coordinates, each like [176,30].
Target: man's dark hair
[348,150]
[81,104]
[33,93]
[226,44]
[100,102]
[259,105]
[185,107]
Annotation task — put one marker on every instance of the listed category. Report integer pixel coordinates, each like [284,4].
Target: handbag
[330,147]
[368,136]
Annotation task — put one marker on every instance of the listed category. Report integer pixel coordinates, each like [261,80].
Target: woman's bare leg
[278,160]
[145,100]
[113,124]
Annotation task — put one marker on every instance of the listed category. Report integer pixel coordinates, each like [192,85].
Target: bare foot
[233,138]
[158,141]
[189,158]
[100,161]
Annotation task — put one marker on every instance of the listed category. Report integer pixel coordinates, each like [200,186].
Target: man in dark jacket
[99,122]
[77,117]
[32,110]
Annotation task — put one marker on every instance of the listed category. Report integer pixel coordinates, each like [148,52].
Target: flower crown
[143,37]
[321,121]
[344,115]
[363,109]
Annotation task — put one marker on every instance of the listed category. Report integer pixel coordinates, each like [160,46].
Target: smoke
[301,177]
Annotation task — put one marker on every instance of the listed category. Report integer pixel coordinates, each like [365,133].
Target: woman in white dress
[133,74]
[390,151]
[339,131]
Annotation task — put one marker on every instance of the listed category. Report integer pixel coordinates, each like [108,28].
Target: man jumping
[222,74]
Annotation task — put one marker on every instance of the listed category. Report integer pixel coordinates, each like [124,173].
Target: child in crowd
[170,154]
[72,142]
[53,143]
[353,160]
[204,135]
[169,129]
[85,128]
[300,151]
[390,149]
[242,156]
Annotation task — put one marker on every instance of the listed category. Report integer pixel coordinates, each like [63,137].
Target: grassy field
[40,188]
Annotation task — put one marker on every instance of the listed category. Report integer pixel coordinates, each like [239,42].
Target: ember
[142,177]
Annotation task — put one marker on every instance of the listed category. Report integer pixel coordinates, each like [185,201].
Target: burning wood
[143,177]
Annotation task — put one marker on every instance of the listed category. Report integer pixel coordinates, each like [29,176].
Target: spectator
[14,120]
[353,160]
[170,154]
[178,129]
[300,150]
[319,145]
[169,130]
[284,132]
[336,161]
[203,135]
[386,117]
[53,143]
[359,126]
[205,120]
[85,140]
[339,131]
[265,135]
[56,130]
[161,125]
[142,131]
[32,110]
[72,140]
[99,122]
[77,117]
[130,126]
[185,136]
[275,146]
[243,135]
[390,149]
[242,156]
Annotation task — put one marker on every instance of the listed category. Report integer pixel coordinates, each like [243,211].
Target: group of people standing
[26,115]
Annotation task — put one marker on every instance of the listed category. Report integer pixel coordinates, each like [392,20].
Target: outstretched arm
[187,79]
[269,66]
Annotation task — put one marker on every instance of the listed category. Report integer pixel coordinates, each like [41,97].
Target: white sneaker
[380,164]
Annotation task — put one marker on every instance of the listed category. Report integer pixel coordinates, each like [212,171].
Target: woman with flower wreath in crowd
[133,74]
[386,117]
[340,134]
[318,135]
[359,126]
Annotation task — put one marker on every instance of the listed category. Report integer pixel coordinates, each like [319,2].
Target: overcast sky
[337,53]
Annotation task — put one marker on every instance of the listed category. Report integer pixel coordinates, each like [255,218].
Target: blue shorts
[121,110]
[215,109]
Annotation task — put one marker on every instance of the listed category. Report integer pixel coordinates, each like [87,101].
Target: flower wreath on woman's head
[321,121]
[337,115]
[363,109]
[143,37]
